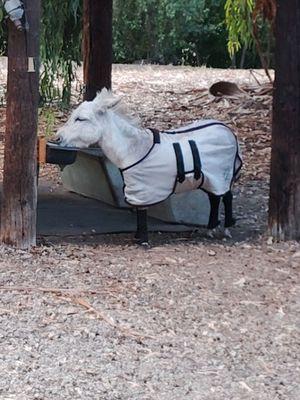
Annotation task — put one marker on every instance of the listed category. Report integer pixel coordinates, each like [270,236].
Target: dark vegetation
[179,32]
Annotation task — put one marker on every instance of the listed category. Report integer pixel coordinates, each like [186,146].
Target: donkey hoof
[227,233]
[230,223]
[143,243]
[211,233]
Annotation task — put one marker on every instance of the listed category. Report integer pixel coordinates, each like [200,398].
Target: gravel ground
[98,318]
[192,320]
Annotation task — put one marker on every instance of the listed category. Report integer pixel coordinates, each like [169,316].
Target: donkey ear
[112,101]
[99,99]
[105,100]
[101,93]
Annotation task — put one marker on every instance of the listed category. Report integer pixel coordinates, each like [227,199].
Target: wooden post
[18,212]
[97,46]
[284,205]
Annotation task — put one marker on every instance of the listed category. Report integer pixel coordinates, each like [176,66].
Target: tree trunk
[97,46]
[284,205]
[18,212]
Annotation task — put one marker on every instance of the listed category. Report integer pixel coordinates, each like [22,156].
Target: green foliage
[190,32]
[47,118]
[249,24]
[3,33]
[61,30]
[181,32]
[60,47]
[238,17]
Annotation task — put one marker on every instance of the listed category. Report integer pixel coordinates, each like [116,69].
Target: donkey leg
[227,200]
[213,221]
[142,226]
[229,220]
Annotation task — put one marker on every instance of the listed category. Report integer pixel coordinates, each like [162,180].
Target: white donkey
[203,155]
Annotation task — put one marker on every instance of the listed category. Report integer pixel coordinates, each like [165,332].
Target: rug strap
[156,135]
[196,159]
[180,163]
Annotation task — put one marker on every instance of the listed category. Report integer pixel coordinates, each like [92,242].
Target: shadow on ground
[65,217]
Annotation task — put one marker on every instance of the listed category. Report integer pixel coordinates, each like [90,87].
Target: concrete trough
[93,175]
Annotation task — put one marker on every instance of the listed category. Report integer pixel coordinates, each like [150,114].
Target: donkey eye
[78,119]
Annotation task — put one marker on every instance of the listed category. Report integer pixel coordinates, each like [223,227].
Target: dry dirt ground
[189,318]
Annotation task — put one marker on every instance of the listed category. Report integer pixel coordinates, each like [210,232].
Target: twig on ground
[79,300]
[69,291]
[103,316]
[252,73]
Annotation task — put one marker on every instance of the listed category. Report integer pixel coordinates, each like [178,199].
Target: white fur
[102,122]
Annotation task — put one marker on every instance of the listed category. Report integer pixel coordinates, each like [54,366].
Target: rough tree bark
[284,205]
[97,46]
[18,212]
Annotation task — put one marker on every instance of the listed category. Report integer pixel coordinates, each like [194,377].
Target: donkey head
[88,121]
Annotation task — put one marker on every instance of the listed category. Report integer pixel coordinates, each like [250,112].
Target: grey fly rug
[203,155]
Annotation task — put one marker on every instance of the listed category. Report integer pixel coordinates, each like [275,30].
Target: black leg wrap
[214,211]
[229,222]
[227,200]
[142,226]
